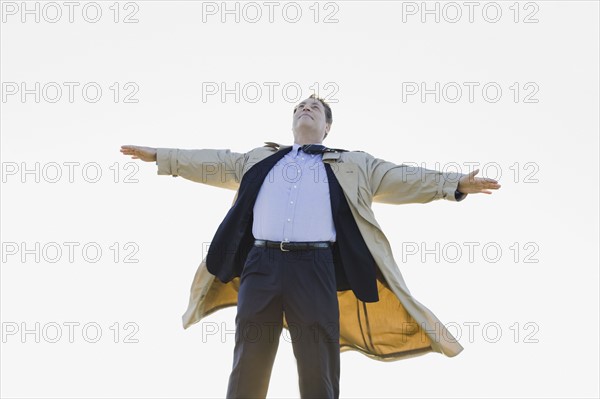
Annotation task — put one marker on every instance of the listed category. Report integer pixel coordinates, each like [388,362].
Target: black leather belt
[292,245]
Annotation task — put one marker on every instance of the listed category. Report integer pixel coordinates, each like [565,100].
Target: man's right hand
[147,154]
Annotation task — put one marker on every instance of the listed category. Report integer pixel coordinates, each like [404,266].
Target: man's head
[311,121]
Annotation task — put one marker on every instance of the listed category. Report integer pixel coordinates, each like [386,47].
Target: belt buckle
[281,247]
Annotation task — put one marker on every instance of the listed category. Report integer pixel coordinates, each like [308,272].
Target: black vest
[355,267]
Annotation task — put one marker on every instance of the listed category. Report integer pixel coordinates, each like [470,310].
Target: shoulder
[356,156]
[357,153]
[258,153]
[268,148]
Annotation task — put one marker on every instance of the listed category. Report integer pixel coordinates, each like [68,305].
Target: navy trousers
[300,284]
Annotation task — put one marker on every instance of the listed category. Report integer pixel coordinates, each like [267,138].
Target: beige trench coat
[395,327]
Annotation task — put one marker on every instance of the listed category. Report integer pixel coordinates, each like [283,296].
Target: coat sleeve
[404,184]
[219,168]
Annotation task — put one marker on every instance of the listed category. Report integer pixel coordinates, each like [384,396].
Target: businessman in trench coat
[387,323]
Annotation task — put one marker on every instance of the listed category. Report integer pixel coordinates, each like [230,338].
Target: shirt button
[291,202]
[289,220]
[294,186]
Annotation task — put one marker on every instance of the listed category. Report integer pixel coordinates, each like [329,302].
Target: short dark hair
[328,113]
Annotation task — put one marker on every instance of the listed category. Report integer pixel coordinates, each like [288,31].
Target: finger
[488,183]
[485,180]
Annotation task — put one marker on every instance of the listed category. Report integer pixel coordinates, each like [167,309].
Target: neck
[307,142]
[308,138]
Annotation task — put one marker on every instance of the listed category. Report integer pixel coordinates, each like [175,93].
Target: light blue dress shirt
[293,203]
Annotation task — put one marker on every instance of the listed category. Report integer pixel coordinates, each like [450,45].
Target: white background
[552,203]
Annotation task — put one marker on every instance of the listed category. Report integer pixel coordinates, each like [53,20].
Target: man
[300,248]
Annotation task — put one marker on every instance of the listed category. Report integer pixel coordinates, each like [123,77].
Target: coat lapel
[232,242]
[347,175]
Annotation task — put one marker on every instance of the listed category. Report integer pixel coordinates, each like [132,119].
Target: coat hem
[390,357]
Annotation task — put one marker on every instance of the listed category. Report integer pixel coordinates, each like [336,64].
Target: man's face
[310,115]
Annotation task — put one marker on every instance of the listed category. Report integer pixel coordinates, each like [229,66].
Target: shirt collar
[296,147]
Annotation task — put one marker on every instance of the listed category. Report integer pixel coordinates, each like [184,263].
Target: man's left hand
[470,184]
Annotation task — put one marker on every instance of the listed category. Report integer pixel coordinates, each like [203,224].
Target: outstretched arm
[219,168]
[403,184]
